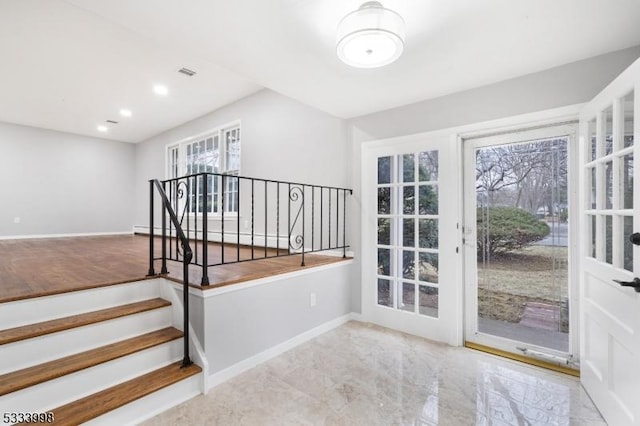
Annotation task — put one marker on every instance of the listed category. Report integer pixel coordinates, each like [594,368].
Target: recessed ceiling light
[102,128]
[161,89]
[125,112]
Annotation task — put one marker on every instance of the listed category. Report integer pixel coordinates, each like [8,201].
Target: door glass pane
[408,168]
[428,297]
[408,297]
[384,261]
[593,187]
[408,200]
[628,247]
[408,263]
[627,181]
[408,233]
[592,138]
[428,267]
[608,130]
[428,230]
[608,176]
[592,251]
[428,166]
[428,200]
[384,231]
[608,233]
[627,108]
[384,200]
[384,170]
[522,241]
[384,293]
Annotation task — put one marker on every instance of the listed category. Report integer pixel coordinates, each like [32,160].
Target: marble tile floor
[360,374]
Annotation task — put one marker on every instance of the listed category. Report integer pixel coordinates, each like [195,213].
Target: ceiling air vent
[112,122]
[187,72]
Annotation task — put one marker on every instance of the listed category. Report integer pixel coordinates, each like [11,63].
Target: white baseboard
[355,316]
[242,366]
[71,235]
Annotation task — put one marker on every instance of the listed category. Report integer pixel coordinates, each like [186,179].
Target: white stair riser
[151,405]
[26,353]
[39,309]
[54,393]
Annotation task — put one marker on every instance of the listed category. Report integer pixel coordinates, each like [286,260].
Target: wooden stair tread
[31,376]
[95,405]
[39,329]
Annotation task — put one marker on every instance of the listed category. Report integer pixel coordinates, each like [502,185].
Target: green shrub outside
[505,229]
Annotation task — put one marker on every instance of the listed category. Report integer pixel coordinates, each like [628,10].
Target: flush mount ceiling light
[102,128]
[125,112]
[371,36]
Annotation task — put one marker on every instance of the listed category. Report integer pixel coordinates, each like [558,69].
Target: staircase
[110,355]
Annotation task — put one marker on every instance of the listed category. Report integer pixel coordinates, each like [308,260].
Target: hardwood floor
[39,267]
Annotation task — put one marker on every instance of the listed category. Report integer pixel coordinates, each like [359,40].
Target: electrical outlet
[17,219]
[312,300]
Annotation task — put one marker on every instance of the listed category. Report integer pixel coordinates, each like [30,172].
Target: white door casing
[610,314]
[447,327]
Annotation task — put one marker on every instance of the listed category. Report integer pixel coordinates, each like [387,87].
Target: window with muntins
[216,151]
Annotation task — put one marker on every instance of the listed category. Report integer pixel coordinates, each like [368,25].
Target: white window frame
[176,157]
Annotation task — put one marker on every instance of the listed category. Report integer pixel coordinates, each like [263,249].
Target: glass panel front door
[517,248]
[522,242]
[410,237]
[408,232]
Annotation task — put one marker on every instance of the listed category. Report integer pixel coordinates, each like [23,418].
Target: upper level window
[216,151]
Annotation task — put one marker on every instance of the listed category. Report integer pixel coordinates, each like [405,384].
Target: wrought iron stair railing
[229,219]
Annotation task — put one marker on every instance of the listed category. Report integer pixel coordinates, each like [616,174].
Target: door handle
[635,238]
[635,284]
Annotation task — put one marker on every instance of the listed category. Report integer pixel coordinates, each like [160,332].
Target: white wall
[282,139]
[244,322]
[569,84]
[60,183]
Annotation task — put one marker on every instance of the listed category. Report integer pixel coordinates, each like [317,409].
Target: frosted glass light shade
[370,37]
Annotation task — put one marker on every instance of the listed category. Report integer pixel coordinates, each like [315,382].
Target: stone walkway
[542,316]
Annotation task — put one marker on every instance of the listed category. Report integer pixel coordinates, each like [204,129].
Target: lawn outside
[533,274]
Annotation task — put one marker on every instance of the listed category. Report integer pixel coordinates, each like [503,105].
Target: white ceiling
[68,68]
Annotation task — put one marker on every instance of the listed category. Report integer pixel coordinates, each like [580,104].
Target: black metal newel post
[222,224]
[195,221]
[205,230]
[303,224]
[329,209]
[170,222]
[164,269]
[344,224]
[265,219]
[277,218]
[151,236]
[321,217]
[252,219]
[186,361]
[238,222]
[337,218]
[289,220]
